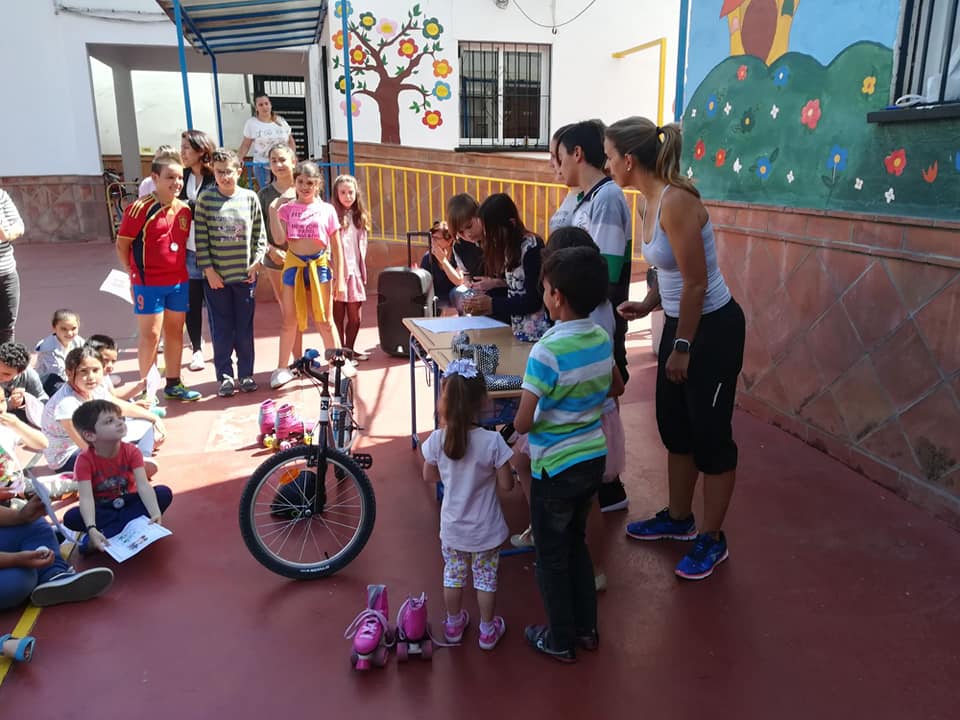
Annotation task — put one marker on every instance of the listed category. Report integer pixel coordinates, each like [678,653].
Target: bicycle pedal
[364,460]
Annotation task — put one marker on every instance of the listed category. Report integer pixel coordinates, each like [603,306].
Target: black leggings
[346,316]
[195,314]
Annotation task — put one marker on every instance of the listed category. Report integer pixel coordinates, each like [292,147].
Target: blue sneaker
[700,562]
[181,392]
[663,527]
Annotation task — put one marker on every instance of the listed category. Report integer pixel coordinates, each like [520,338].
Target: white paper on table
[154,381]
[44,496]
[117,283]
[135,536]
[457,323]
[136,429]
[34,409]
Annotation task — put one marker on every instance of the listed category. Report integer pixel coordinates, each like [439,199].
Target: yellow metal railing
[662,44]
[405,199]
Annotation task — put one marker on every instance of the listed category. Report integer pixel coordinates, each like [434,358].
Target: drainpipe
[681,59]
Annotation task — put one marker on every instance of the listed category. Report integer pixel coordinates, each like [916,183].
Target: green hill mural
[796,134]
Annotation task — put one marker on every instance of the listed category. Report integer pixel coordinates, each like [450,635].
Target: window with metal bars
[928,53]
[504,95]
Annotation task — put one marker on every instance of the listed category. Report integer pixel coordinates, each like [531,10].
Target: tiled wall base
[62,208]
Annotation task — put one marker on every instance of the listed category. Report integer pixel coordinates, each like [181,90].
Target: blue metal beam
[243,3]
[217,19]
[177,18]
[216,96]
[349,90]
[681,60]
[231,42]
[285,28]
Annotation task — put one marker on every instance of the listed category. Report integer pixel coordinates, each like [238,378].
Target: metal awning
[229,26]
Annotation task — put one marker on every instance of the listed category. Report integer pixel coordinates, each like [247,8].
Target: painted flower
[858,184]
[367,20]
[782,76]
[432,119]
[896,162]
[690,173]
[763,168]
[432,28]
[388,28]
[341,84]
[737,167]
[837,159]
[442,68]
[774,111]
[890,196]
[342,5]
[930,174]
[441,90]
[727,108]
[693,114]
[720,158]
[711,106]
[407,48]
[338,40]
[869,85]
[810,115]
[699,150]
[746,122]
[790,177]
[358,55]
[742,73]
[354,106]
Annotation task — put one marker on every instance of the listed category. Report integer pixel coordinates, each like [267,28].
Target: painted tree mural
[385,62]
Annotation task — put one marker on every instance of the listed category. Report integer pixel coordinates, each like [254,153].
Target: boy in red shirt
[113,484]
[152,246]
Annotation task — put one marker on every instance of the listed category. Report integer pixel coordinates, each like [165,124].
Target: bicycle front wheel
[306,513]
[344,429]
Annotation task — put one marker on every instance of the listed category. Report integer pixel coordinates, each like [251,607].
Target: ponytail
[657,149]
[462,400]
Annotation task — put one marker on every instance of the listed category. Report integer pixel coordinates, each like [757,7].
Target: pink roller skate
[413,630]
[371,632]
[267,419]
[287,428]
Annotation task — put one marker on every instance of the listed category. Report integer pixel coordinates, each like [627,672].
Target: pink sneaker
[488,641]
[453,631]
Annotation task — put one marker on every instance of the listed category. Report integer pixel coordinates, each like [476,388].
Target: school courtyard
[840,600]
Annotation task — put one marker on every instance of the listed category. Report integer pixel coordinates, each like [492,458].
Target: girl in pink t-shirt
[354,226]
[471,462]
[311,230]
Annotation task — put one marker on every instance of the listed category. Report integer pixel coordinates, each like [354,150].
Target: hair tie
[466,368]
[658,130]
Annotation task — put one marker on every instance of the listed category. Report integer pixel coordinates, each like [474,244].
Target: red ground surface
[839,599]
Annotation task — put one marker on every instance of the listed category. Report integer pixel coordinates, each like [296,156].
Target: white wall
[586,81]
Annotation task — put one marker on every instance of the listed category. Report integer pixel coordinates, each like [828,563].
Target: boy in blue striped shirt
[569,374]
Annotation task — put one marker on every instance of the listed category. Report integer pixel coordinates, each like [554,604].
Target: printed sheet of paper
[117,283]
[456,324]
[135,536]
[155,381]
[44,496]
[33,408]
[136,429]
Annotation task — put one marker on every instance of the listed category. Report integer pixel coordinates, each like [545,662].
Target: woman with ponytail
[701,350]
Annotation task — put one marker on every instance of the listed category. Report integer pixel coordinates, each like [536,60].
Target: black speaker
[402,292]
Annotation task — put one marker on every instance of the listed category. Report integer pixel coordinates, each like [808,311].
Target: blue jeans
[232,308]
[16,583]
[111,521]
[559,507]
[261,173]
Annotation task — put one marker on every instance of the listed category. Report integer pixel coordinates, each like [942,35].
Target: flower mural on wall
[699,150]
[711,106]
[355,106]
[386,62]
[869,85]
[720,158]
[811,113]
[896,162]
[742,73]
[837,159]
[930,174]
[781,76]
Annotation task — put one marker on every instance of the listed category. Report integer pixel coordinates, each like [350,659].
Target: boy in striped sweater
[231,241]
[569,374]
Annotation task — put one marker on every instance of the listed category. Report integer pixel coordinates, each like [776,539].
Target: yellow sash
[300,288]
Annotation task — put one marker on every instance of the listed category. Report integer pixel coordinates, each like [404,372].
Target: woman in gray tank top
[701,350]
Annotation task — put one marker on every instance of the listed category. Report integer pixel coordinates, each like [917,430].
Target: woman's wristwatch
[681,345]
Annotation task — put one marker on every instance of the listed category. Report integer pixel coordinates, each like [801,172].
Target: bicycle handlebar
[307,364]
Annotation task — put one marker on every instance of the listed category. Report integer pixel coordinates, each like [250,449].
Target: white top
[659,254]
[265,135]
[52,356]
[147,186]
[60,407]
[470,518]
[193,190]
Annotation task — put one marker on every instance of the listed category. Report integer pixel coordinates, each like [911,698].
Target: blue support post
[681,59]
[177,16]
[349,84]
[216,95]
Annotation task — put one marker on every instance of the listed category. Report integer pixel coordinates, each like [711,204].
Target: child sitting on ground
[569,375]
[114,488]
[52,350]
[134,392]
[472,462]
[18,380]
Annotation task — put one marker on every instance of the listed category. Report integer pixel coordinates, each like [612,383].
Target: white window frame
[923,31]
[510,143]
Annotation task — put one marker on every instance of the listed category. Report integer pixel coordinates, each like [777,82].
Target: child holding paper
[114,488]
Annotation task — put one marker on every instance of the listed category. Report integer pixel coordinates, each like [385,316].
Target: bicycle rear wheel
[306,513]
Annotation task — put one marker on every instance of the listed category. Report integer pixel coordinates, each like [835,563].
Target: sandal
[24,651]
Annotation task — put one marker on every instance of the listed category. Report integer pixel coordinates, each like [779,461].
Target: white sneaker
[280,377]
[524,539]
[197,362]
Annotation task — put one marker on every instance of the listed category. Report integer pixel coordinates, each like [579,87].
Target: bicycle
[308,511]
[118,195]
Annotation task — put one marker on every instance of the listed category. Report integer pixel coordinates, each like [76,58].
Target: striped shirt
[603,212]
[230,232]
[9,219]
[570,369]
